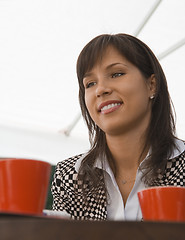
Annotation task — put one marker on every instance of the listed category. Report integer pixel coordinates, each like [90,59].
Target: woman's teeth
[110,106]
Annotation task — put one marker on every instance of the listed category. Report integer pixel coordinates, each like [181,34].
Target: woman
[125,102]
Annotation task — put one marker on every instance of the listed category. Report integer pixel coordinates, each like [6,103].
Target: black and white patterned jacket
[66,199]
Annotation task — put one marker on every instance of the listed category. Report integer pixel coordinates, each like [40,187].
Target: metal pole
[68,130]
[171,49]
[145,20]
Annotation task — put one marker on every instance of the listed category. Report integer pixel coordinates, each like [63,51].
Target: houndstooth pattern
[67,194]
[66,198]
[174,174]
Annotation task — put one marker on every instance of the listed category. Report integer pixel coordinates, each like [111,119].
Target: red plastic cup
[163,203]
[23,185]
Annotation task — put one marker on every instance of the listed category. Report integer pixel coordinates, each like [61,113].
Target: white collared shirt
[115,208]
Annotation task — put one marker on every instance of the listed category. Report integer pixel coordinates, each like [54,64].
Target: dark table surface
[29,227]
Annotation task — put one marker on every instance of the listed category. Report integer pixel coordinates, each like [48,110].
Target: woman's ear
[152,85]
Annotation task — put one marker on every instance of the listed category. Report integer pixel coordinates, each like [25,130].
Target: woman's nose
[102,90]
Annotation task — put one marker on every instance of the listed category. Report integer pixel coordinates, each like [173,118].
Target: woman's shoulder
[68,165]
[174,173]
[176,162]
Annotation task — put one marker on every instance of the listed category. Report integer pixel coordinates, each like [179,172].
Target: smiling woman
[125,102]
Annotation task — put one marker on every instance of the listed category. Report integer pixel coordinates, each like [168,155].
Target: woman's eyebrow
[89,74]
[114,64]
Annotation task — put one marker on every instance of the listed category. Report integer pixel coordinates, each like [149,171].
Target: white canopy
[39,45]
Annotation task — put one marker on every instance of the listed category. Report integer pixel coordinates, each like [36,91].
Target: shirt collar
[180,148]
[98,163]
[103,163]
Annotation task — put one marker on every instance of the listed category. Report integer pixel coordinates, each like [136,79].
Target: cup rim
[162,187]
[5,159]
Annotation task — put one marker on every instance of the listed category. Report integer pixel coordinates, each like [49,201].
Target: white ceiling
[39,44]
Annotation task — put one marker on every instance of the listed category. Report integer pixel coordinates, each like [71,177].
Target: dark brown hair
[161,131]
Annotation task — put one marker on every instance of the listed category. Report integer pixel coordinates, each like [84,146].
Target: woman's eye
[90,84]
[114,75]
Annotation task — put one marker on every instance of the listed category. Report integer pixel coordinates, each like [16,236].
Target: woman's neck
[127,151]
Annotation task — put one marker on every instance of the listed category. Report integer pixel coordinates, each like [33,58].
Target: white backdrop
[39,44]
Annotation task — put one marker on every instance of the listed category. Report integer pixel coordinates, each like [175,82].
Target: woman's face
[117,95]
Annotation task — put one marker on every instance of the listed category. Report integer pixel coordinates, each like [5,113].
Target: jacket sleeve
[63,188]
[58,192]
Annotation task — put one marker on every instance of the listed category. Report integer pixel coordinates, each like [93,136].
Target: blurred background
[40,41]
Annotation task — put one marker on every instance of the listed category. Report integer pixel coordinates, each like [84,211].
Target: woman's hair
[161,130]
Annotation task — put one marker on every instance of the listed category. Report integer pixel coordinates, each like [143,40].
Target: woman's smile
[109,106]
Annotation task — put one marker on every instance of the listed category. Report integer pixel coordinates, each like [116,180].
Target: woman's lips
[109,106]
